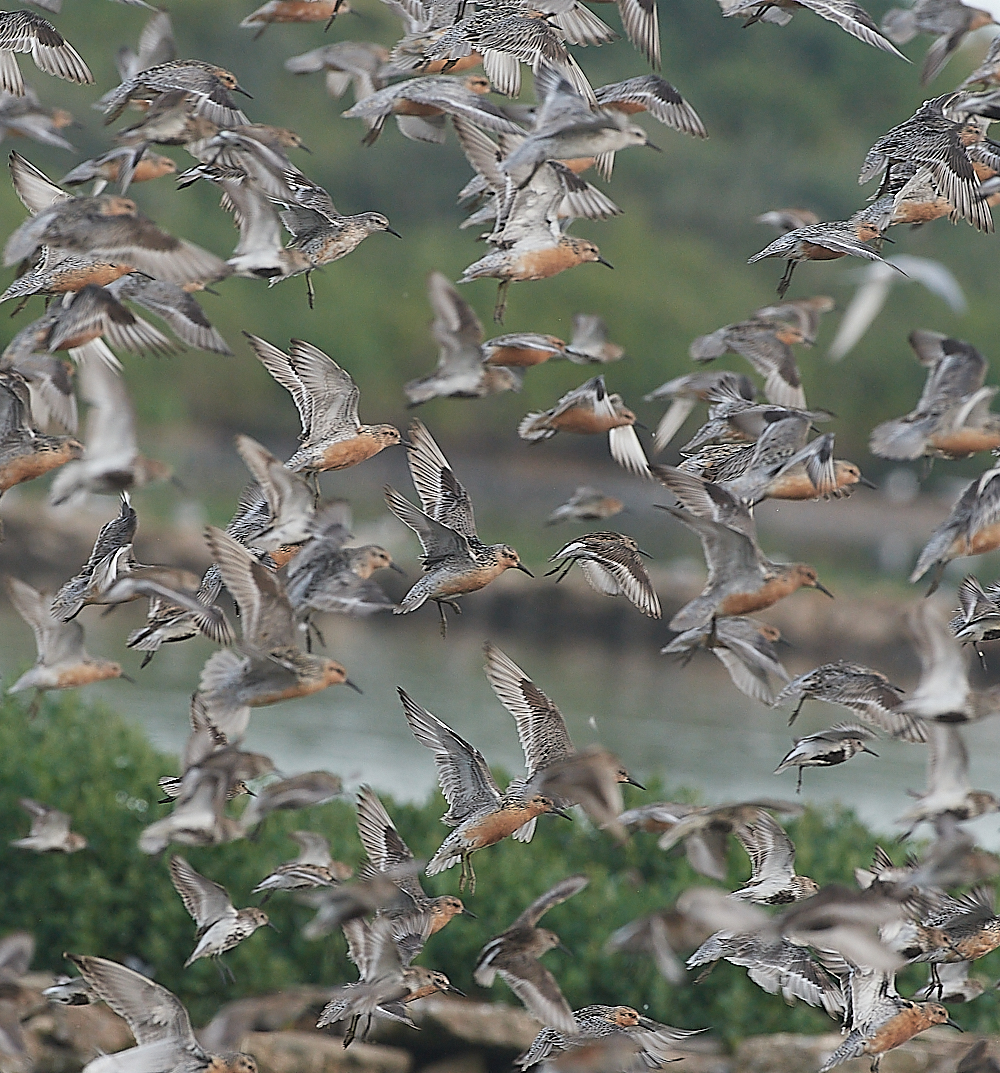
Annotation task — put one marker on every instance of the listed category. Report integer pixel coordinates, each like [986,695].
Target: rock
[262,1013]
[936,1051]
[450,1025]
[468,1062]
[62,1039]
[315,1052]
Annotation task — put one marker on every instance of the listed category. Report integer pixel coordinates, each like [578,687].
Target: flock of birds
[286,559]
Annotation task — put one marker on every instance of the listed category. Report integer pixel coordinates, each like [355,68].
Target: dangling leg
[352,1030]
[798,785]
[461,878]
[310,293]
[982,656]
[35,704]
[501,306]
[798,708]
[472,875]
[786,280]
[444,621]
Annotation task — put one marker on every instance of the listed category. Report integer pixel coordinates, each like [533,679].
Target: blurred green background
[112,900]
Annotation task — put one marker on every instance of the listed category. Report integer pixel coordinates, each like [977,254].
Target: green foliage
[112,900]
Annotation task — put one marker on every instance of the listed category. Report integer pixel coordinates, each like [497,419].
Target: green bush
[114,901]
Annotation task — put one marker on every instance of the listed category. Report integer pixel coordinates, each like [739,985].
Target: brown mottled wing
[335,395]
[206,901]
[267,616]
[463,773]
[563,890]
[541,728]
[536,987]
[441,495]
[153,1013]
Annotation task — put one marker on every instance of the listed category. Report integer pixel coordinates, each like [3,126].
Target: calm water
[688,725]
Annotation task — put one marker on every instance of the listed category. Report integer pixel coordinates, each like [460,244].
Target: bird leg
[786,280]
[982,655]
[501,304]
[936,981]
[798,708]
[564,567]
[798,785]
[471,873]
[352,1030]
[444,633]
[20,305]
[146,658]
[758,15]
[225,972]
[35,704]
[310,293]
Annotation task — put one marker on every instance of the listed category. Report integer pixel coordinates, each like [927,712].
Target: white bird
[876,282]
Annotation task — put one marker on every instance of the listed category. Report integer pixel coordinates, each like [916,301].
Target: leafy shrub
[114,901]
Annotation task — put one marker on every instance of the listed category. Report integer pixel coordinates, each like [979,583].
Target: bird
[767,345]
[772,861]
[467,368]
[744,646]
[158,1021]
[929,138]
[327,577]
[25,116]
[307,790]
[612,565]
[740,578]
[590,410]
[454,559]
[108,230]
[291,504]
[326,398]
[704,829]
[952,418]
[111,462]
[220,925]
[269,666]
[866,693]
[584,505]
[204,740]
[25,453]
[880,1019]
[978,617]
[514,957]
[656,1043]
[590,343]
[822,242]
[50,830]
[948,21]
[847,15]
[313,867]
[421,105]
[415,914]
[285,11]
[541,729]
[25,31]
[684,392]
[948,792]
[62,661]
[826,748]
[384,982]
[477,810]
[211,88]
[970,529]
